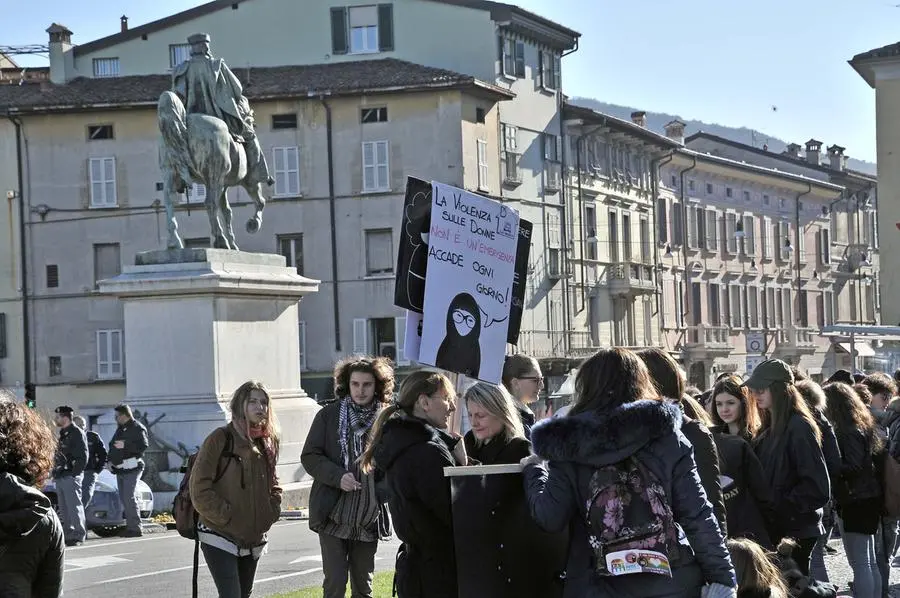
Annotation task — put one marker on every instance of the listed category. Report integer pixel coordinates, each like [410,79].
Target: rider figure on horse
[207,86]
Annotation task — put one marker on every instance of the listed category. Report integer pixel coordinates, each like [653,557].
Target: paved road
[160,565]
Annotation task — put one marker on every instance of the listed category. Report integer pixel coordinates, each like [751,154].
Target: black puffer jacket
[706,456]
[134,436]
[796,472]
[857,480]
[31,542]
[413,454]
[575,446]
[830,449]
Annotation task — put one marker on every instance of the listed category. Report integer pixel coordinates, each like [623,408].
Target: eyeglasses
[535,378]
[460,316]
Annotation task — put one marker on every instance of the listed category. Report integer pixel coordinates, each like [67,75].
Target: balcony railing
[796,337]
[708,336]
[625,278]
[552,343]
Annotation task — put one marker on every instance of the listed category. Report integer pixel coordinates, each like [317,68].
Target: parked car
[105,515]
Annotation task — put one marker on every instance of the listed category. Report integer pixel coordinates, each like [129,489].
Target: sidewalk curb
[295,515]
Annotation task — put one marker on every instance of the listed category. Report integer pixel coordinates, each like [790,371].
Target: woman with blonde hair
[496,438]
[235,490]
[411,444]
[757,575]
[523,379]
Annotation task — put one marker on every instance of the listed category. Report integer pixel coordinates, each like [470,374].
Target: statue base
[198,324]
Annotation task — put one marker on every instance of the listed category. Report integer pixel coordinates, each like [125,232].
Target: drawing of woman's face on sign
[464,321]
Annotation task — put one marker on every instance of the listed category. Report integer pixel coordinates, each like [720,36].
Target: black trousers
[233,575]
[347,558]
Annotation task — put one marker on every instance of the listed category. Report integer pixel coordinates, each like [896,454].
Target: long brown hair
[422,382]
[27,445]
[610,378]
[381,368]
[786,401]
[731,385]
[753,568]
[665,372]
[238,408]
[847,413]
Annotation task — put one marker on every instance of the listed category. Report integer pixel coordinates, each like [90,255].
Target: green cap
[769,372]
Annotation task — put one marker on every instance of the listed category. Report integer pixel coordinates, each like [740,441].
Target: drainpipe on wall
[684,243]
[655,165]
[332,209]
[23,262]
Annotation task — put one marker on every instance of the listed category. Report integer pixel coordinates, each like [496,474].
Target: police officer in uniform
[68,474]
[96,461]
[126,456]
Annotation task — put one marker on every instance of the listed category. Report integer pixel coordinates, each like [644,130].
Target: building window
[550,70]
[362,29]
[479,115]
[107,261]
[662,220]
[379,252]
[590,231]
[712,232]
[179,53]
[674,182]
[748,245]
[510,154]
[626,236]
[729,192]
[54,363]
[677,224]
[287,171]
[96,132]
[731,244]
[824,246]
[52,276]
[554,265]
[364,21]
[381,336]
[103,182]
[753,306]
[376,168]
[552,147]
[109,354]
[690,184]
[613,233]
[766,200]
[737,319]
[709,188]
[291,247]
[106,67]
[3,342]
[196,193]
[746,196]
[373,115]
[303,363]
[644,229]
[482,155]
[512,54]
[284,121]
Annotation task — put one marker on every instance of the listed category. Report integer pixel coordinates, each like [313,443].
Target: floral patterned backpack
[630,524]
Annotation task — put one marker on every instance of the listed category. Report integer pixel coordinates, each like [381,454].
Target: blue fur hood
[597,439]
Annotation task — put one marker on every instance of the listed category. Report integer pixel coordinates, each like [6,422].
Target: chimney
[639,118]
[814,152]
[62,60]
[124,21]
[836,157]
[793,150]
[675,131]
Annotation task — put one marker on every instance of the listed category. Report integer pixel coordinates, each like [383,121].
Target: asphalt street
[159,564]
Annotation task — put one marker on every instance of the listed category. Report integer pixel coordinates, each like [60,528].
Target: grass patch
[381,588]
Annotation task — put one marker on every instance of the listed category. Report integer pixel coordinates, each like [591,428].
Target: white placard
[468,289]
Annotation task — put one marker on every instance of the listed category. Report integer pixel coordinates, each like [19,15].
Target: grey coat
[557,492]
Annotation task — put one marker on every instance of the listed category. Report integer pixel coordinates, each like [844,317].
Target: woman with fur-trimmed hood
[618,415]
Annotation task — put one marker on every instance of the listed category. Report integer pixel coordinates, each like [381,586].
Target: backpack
[631,528]
[186,517]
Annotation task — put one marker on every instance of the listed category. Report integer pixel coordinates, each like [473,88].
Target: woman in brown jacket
[235,490]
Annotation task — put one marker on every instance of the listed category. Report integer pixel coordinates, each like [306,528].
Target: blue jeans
[71,511]
[885,542]
[817,568]
[860,550]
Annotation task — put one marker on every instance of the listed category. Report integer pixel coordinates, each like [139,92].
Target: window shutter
[520,59]
[360,342]
[662,217]
[826,245]
[543,70]
[339,42]
[3,347]
[302,331]
[400,340]
[385,27]
[557,73]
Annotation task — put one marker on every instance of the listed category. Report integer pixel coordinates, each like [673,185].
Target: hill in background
[656,121]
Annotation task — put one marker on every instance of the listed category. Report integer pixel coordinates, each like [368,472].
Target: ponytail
[419,383]
[367,461]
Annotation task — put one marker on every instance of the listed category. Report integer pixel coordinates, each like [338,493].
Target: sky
[779,66]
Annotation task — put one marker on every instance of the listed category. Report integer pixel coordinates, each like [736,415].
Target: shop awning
[862,349]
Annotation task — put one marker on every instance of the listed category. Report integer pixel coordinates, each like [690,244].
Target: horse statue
[196,148]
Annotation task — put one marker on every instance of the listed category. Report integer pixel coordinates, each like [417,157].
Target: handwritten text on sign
[472,248]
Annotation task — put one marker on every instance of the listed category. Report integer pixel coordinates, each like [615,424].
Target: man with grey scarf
[345,509]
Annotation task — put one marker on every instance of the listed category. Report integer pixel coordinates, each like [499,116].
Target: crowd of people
[653,488]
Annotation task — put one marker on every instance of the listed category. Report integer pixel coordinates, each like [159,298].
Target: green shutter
[339,41]
[385,27]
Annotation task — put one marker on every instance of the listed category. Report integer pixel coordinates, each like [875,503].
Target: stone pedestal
[198,324]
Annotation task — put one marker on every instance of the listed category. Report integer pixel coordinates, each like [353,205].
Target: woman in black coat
[507,554]
[857,491]
[31,536]
[669,381]
[411,446]
[789,447]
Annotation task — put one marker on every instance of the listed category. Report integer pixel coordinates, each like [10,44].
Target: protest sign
[472,246]
[412,252]
[523,249]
